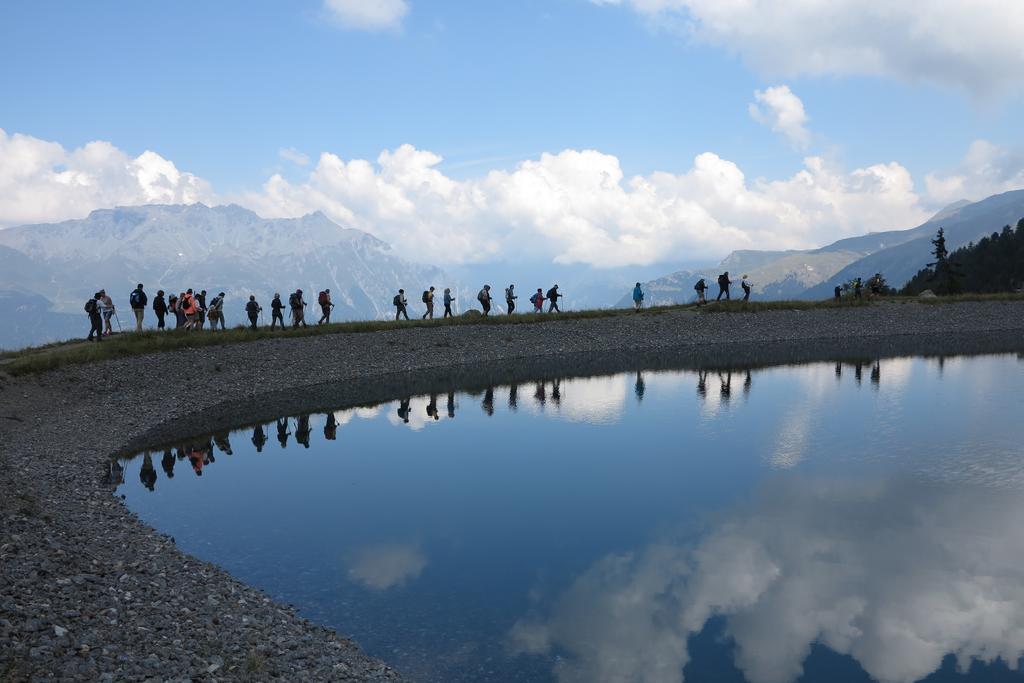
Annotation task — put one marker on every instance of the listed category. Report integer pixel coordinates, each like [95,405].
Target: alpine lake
[829,521]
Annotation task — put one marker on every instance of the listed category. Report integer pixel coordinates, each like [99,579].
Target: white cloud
[896,575]
[294,156]
[367,15]
[41,181]
[985,170]
[783,112]
[973,45]
[387,565]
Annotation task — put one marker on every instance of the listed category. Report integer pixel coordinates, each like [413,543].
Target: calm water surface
[823,522]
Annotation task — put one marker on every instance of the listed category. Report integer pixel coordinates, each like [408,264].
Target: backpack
[700,285]
[398,300]
[323,299]
[293,300]
[482,296]
[90,306]
[535,299]
[508,294]
[426,296]
[135,299]
[552,293]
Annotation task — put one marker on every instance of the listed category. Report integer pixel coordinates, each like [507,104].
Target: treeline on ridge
[994,264]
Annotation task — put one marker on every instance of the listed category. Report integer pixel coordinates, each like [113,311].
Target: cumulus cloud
[895,574]
[387,565]
[972,45]
[783,112]
[367,15]
[294,156]
[41,181]
[986,169]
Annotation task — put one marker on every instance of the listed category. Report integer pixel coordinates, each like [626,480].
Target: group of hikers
[485,298]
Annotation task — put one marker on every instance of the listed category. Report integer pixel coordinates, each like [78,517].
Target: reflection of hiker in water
[432,407]
[513,396]
[702,384]
[167,463]
[726,385]
[451,404]
[540,393]
[403,409]
[302,430]
[556,391]
[488,403]
[147,475]
[640,386]
[839,370]
[196,456]
[259,438]
[331,427]
[858,368]
[876,374]
[282,431]
[222,439]
[746,383]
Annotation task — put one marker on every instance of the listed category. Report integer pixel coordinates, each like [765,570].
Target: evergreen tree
[994,264]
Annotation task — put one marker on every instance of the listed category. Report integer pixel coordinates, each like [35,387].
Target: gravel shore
[88,592]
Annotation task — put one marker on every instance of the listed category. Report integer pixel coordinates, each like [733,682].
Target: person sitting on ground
[216,313]
[745,284]
[553,297]
[276,315]
[298,307]
[538,301]
[484,297]
[324,299]
[92,309]
[448,299]
[723,286]
[510,298]
[701,287]
[138,300]
[638,297]
[428,299]
[160,308]
[400,305]
[252,309]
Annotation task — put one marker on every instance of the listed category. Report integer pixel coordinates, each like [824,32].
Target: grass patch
[784,305]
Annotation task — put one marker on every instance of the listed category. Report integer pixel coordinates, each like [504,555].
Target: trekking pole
[118,321]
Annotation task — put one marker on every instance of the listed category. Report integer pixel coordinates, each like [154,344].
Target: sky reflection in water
[814,522]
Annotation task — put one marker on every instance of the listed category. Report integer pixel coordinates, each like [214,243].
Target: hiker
[400,304]
[160,308]
[701,288]
[553,297]
[191,308]
[448,299]
[428,299]
[282,427]
[200,309]
[484,297]
[253,310]
[875,285]
[723,286]
[510,298]
[275,312]
[138,301]
[217,312]
[92,308]
[746,287]
[638,297]
[172,308]
[324,299]
[838,293]
[856,288]
[298,307]
[537,299]
[108,310]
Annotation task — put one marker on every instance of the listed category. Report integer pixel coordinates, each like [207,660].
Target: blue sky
[220,88]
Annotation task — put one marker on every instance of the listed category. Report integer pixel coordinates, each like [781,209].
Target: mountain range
[48,271]
[813,273]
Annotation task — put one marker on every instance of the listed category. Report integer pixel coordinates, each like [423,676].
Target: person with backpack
[553,297]
[537,299]
[108,311]
[160,308]
[92,308]
[723,286]
[448,299]
[484,297]
[638,297]
[428,299]
[838,293]
[252,309]
[216,313]
[701,287]
[138,301]
[201,309]
[298,307]
[510,298]
[189,307]
[324,299]
[856,288]
[745,284]
[276,306]
[400,304]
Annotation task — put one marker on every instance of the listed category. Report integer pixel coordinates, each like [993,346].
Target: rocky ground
[88,592]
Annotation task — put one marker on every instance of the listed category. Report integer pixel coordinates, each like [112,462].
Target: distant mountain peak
[949,210]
